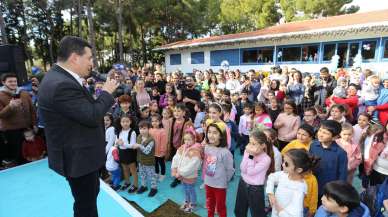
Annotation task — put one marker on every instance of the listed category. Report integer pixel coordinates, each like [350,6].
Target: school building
[360,39]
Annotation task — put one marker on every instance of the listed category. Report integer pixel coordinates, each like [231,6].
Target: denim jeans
[116,177]
[190,195]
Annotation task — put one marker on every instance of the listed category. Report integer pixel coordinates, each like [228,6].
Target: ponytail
[302,159]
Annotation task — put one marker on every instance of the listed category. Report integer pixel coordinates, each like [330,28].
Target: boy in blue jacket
[340,199]
[334,161]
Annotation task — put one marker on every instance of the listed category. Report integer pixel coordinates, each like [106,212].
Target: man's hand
[187,100]
[110,85]
[36,129]
[15,103]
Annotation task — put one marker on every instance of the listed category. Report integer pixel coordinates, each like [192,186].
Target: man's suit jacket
[73,124]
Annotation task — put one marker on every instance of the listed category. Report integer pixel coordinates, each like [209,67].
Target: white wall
[186,65]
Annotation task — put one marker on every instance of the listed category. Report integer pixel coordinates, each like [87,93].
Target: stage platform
[33,190]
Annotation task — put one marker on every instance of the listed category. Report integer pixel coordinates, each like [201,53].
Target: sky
[370,5]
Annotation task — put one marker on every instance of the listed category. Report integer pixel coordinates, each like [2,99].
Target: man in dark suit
[74,123]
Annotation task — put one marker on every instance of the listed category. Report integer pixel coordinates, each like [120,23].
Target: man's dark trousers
[85,190]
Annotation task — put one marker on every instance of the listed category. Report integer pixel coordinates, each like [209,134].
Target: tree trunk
[143,46]
[79,18]
[71,16]
[120,25]
[4,38]
[25,41]
[92,34]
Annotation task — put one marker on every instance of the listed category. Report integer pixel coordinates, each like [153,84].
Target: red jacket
[351,102]
[383,113]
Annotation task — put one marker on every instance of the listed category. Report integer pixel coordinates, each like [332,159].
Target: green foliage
[38,25]
[317,8]
[247,15]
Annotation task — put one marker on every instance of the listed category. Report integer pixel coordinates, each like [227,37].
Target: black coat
[73,124]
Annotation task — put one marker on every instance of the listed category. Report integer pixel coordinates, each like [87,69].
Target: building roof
[358,20]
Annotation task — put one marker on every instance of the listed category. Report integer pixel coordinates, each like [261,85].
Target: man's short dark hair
[71,44]
[324,70]
[5,76]
[343,194]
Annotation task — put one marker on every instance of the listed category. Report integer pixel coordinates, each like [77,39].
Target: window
[175,59]
[265,55]
[353,51]
[328,51]
[310,53]
[249,56]
[232,56]
[289,54]
[385,55]
[368,50]
[197,58]
[258,55]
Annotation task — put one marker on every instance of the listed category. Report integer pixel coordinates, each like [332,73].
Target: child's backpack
[373,198]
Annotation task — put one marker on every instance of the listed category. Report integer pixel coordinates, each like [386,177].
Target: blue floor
[33,190]
[165,192]
[176,194]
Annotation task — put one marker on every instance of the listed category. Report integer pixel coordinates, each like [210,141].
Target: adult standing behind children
[73,123]
[16,115]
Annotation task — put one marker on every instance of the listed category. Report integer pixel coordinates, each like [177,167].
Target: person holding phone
[16,114]
[74,124]
[323,87]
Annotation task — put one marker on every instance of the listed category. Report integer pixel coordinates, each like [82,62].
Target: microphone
[98,76]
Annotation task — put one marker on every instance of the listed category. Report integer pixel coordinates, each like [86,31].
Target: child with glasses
[291,189]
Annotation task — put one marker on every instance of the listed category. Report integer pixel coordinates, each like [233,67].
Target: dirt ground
[168,209]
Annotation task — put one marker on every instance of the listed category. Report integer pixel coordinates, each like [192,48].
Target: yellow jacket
[311,198]
[295,144]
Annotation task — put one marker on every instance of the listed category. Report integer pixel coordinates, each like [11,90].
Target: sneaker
[142,189]
[132,189]
[152,192]
[188,209]
[6,161]
[175,183]
[116,188]
[161,178]
[183,206]
[125,186]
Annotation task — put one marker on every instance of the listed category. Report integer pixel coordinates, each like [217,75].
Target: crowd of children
[303,140]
